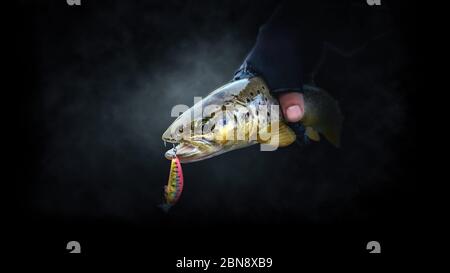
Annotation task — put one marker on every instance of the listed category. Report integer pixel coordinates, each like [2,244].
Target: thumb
[292,106]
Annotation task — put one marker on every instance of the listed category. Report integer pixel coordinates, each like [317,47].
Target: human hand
[292,106]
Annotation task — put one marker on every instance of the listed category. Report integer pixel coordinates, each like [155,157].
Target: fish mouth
[188,151]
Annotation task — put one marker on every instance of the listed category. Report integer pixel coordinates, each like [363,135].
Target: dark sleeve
[285,49]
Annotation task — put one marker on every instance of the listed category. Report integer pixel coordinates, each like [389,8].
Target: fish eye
[180,129]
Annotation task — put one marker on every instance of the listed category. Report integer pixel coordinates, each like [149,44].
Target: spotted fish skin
[174,187]
[229,118]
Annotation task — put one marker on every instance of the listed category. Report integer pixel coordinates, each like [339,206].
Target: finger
[292,106]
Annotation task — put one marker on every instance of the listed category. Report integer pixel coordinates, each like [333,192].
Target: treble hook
[174,149]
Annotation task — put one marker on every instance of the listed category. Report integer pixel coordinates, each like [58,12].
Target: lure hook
[174,149]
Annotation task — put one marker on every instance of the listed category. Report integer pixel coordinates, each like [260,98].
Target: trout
[244,113]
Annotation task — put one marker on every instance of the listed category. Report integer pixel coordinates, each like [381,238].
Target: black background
[93,88]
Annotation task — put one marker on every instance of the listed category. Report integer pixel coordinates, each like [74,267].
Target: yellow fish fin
[322,113]
[312,134]
[281,136]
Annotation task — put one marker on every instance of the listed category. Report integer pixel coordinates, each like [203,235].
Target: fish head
[207,128]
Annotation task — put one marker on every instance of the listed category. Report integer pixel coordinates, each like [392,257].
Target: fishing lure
[174,187]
